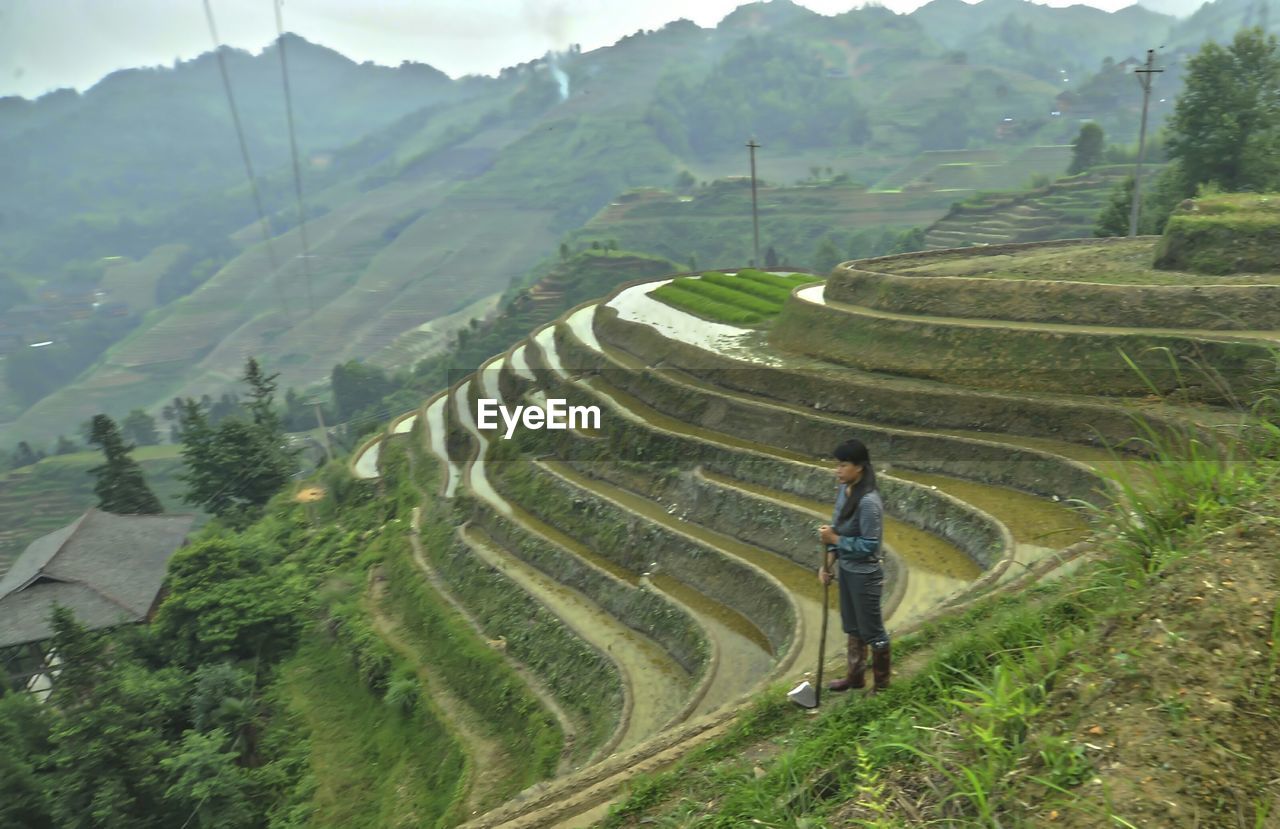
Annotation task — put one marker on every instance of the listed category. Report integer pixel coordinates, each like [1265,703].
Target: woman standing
[853,537]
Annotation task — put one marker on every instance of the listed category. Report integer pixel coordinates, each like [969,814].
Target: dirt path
[568,725]
[490,764]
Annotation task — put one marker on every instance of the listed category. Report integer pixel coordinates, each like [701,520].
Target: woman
[854,538]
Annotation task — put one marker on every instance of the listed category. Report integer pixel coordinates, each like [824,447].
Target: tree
[140,427]
[771,257]
[357,386]
[1087,149]
[827,255]
[24,455]
[1225,128]
[65,446]
[685,181]
[262,389]
[225,603]
[1158,201]
[24,732]
[234,468]
[119,483]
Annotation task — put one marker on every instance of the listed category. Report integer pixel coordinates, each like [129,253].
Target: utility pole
[752,146]
[324,431]
[1144,78]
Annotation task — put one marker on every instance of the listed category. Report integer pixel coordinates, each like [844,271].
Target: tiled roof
[106,568]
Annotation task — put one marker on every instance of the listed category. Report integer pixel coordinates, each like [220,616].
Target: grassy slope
[367,771]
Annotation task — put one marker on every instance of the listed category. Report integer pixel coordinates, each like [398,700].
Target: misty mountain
[427,196]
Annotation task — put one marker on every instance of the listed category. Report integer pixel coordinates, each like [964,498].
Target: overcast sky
[46,44]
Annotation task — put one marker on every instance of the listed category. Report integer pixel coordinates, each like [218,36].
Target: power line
[244,156]
[293,151]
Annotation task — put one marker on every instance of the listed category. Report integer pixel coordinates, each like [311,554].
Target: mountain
[427,196]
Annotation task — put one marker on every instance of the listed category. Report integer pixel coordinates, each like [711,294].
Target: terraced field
[1065,209]
[675,538]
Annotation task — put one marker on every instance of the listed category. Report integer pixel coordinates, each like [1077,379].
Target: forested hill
[108,166]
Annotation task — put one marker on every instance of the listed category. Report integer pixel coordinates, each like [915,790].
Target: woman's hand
[828,535]
[824,576]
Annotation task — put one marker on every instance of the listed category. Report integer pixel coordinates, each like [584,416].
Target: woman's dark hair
[855,451]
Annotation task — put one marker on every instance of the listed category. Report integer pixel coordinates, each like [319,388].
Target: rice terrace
[474,443]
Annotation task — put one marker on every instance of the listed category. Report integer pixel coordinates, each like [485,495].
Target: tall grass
[1189,485]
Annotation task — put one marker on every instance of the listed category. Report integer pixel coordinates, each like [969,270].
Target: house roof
[106,568]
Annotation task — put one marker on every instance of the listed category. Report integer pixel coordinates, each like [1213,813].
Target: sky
[47,44]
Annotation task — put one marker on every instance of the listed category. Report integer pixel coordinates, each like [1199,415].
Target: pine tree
[119,485]
[235,467]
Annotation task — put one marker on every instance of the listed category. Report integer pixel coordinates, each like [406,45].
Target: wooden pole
[1144,77]
[752,146]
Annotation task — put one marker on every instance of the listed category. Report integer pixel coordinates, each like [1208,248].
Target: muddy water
[520,365]
[579,323]
[744,650]
[657,685]
[800,582]
[545,341]
[635,305]
[474,473]
[405,426]
[435,437]
[367,465]
[937,568]
[926,584]
[1032,521]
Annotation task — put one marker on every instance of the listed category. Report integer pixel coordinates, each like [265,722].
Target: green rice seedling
[772,293]
[704,307]
[728,296]
[788,282]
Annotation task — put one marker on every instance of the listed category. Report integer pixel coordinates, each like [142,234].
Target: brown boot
[880,669]
[856,655]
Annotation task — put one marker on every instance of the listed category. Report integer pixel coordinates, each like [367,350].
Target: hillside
[409,178]
[704,478]
[1064,209]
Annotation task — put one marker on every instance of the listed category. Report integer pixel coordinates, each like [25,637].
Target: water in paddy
[745,652]
[801,583]
[1031,519]
[738,653]
[475,474]
[436,427]
[936,567]
[405,426]
[367,464]
[657,686]
[520,365]
[579,323]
